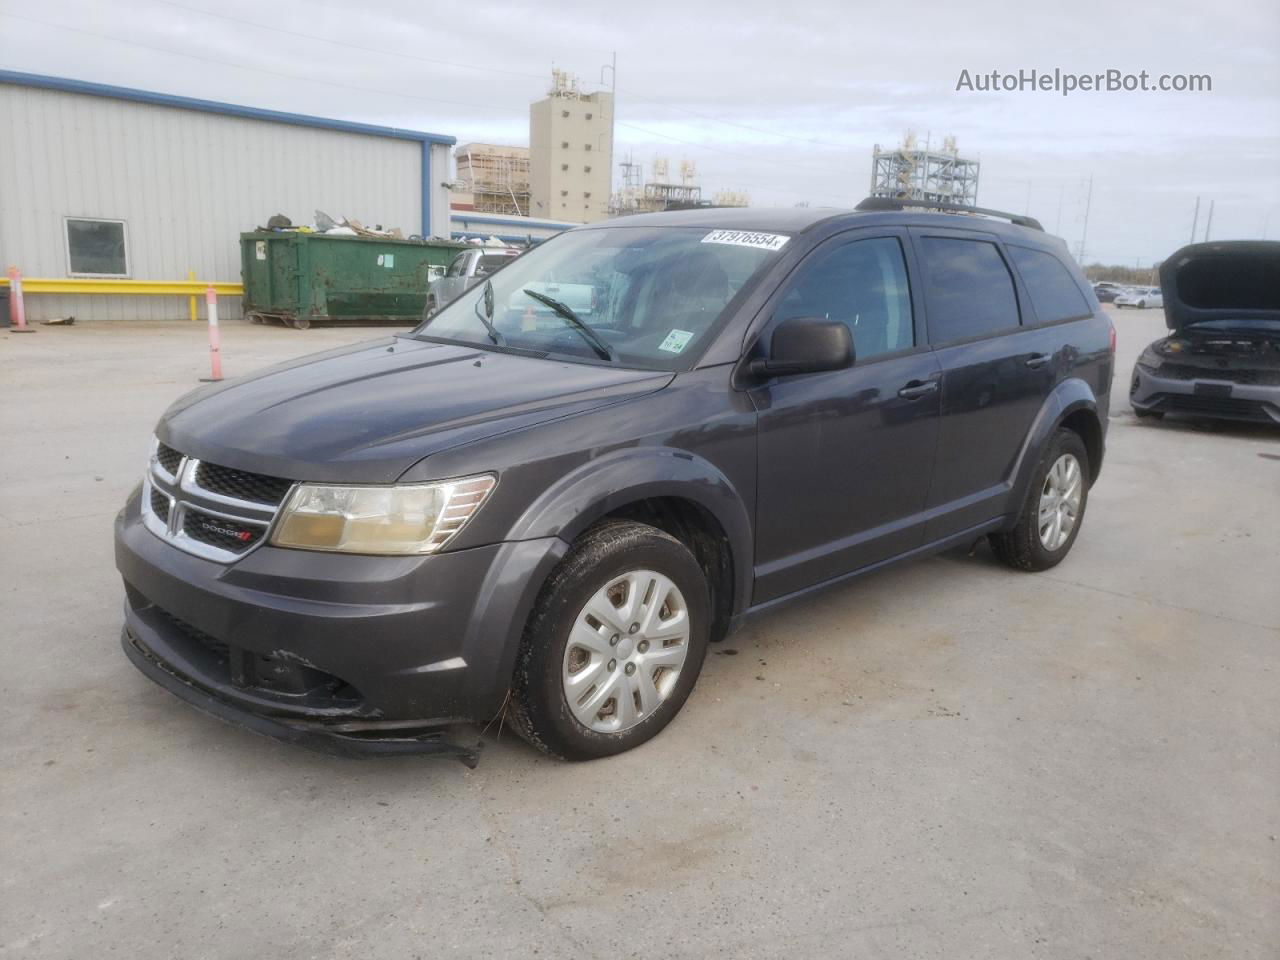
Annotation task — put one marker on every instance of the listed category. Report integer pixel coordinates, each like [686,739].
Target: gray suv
[520,507]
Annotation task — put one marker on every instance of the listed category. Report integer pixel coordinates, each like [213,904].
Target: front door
[846,457]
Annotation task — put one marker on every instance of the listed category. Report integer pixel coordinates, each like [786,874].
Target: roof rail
[895,203]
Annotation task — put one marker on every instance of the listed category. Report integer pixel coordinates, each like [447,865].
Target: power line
[487,69]
[245,66]
[346,43]
[363,89]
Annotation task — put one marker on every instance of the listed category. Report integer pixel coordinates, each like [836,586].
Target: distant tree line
[1117,273]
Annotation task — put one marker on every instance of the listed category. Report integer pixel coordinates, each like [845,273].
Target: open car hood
[1228,280]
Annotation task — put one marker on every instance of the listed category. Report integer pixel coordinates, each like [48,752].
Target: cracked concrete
[944,760]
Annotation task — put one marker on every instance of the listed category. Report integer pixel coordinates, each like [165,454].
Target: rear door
[999,365]
[845,457]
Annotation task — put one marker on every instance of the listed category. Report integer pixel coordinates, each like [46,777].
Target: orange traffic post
[17,309]
[215,337]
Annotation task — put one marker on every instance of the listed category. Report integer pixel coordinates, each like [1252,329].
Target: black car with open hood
[1222,360]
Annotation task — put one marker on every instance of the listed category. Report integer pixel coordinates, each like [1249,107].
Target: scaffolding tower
[497,176]
[933,176]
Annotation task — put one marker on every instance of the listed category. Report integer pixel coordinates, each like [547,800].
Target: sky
[784,101]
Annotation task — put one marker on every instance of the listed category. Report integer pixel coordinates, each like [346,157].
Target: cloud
[783,100]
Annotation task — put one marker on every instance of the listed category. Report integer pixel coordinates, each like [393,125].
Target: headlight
[402,519]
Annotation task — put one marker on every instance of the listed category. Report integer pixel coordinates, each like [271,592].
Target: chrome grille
[160,504]
[168,458]
[229,482]
[218,532]
[215,512]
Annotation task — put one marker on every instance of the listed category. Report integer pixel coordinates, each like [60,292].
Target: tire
[602,560]
[430,309]
[1023,547]
[1142,304]
[301,323]
[1145,414]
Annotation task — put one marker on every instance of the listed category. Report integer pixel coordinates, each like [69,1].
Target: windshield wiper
[486,318]
[598,344]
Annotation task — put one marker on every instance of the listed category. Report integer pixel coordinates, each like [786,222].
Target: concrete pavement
[945,760]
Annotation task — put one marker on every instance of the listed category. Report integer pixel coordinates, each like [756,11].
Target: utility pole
[613,110]
[1195,220]
[1084,234]
[1208,224]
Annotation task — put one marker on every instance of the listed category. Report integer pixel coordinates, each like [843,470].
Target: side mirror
[806,345]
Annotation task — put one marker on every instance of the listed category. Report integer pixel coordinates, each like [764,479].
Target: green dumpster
[297,278]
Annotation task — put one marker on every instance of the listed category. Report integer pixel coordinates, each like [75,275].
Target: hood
[1231,280]
[366,413]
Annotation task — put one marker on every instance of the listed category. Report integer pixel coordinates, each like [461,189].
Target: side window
[864,285]
[1053,290]
[96,248]
[969,289]
[459,263]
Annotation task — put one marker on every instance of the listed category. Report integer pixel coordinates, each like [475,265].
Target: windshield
[650,296]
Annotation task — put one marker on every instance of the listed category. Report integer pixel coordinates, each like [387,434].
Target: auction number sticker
[747,238]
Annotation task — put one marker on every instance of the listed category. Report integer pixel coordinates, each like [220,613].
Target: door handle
[1037,360]
[918,388]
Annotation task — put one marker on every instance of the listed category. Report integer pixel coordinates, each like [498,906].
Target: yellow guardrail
[131,288]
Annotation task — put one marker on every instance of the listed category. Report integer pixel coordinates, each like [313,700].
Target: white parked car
[1141,297]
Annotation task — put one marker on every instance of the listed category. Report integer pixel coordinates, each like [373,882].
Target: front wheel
[1051,517]
[614,644]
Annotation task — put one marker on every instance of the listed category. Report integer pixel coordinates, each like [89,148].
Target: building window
[564,113]
[564,145]
[587,195]
[588,116]
[564,166]
[564,193]
[96,248]
[588,146]
[586,169]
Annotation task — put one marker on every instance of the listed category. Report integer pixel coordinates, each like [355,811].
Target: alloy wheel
[1060,502]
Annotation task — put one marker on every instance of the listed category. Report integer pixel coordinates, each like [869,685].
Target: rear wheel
[1051,517]
[614,645]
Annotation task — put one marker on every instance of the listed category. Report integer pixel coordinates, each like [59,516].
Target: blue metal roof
[214,106]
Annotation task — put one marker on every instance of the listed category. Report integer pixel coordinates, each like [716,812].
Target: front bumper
[349,654]
[1204,397]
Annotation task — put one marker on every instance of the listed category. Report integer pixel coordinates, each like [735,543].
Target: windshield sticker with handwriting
[676,341]
[747,238]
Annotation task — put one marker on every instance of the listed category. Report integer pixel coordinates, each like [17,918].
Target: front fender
[604,484]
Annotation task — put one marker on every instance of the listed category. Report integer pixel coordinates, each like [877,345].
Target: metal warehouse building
[102,181]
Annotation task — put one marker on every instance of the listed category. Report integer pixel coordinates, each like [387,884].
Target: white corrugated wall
[185,182]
